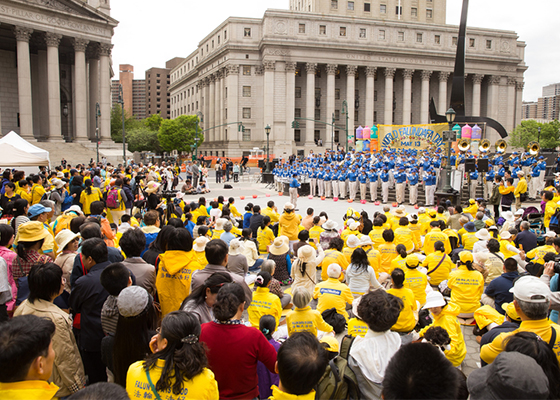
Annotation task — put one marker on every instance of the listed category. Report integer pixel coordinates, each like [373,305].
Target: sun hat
[32,231]
[354,226]
[466,256]
[492,228]
[365,241]
[352,241]
[490,222]
[199,244]
[234,247]
[306,253]
[279,246]
[64,237]
[483,234]
[220,224]
[530,289]
[412,261]
[511,375]
[469,227]
[37,209]
[331,342]
[434,299]
[509,308]
[399,212]
[508,216]
[505,235]
[521,173]
[58,183]
[152,187]
[330,224]
[132,301]
[289,206]
[75,209]
[60,174]
[550,234]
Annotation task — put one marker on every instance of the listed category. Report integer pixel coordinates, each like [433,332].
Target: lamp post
[539,137]
[97,115]
[121,102]
[345,111]
[267,131]
[199,116]
[450,116]
[332,132]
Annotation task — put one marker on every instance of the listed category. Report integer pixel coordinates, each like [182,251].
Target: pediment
[76,8]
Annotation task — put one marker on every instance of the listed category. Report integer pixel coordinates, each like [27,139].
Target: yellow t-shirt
[403,236]
[376,236]
[264,303]
[434,236]
[538,253]
[374,259]
[87,199]
[442,272]
[388,254]
[306,320]
[265,237]
[468,240]
[398,262]
[406,321]
[333,256]
[315,233]
[416,281]
[357,327]
[333,294]
[466,288]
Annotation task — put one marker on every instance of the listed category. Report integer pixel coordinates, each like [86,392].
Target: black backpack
[334,319]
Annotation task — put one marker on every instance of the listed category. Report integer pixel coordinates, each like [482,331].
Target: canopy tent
[13,157]
[18,142]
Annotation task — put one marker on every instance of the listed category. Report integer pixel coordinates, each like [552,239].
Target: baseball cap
[509,308]
[465,256]
[37,209]
[531,290]
[331,342]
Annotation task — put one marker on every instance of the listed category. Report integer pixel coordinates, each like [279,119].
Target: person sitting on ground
[132,244]
[508,324]
[408,315]
[267,325]
[360,276]
[303,318]
[237,262]
[415,279]
[467,285]
[151,230]
[498,291]
[202,299]
[264,302]
[265,235]
[388,251]
[334,255]
[332,293]
[303,237]
[438,265]
[304,267]
[279,252]
[227,236]
[249,250]
[158,246]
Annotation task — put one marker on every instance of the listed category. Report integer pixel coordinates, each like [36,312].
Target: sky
[152,32]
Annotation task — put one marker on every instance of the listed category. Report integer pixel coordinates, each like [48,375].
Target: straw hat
[32,231]
[483,234]
[352,241]
[220,224]
[199,244]
[399,212]
[152,187]
[505,235]
[306,253]
[64,237]
[366,241]
[235,247]
[330,224]
[279,246]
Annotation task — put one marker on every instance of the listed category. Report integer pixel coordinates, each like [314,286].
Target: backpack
[113,198]
[334,319]
[339,381]
[555,221]
[63,222]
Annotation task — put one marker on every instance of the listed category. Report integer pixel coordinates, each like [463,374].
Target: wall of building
[9,108]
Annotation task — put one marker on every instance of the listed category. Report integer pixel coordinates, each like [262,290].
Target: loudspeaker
[483,165]
[470,165]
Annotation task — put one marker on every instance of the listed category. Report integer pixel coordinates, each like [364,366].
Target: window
[398,10]
[375,95]
[247,32]
[317,114]
[322,29]
[246,70]
[429,13]
[356,115]
[316,136]
[218,39]
[351,5]
[363,33]
[418,38]
[437,39]
[400,36]
[246,113]
[298,92]
[413,12]
[337,115]
[225,113]
[336,137]
[342,31]
[225,35]
[297,113]
[297,135]
[337,94]
[375,116]
[471,42]
[301,28]
[247,135]
[212,43]
[334,4]
[454,41]
[383,9]
[246,91]
[488,44]
[381,34]
[367,7]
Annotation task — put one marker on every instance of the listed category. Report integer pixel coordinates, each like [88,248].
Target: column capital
[351,70]
[105,49]
[511,81]
[477,78]
[211,79]
[390,72]
[407,73]
[80,44]
[232,69]
[494,79]
[22,34]
[444,76]
[371,71]
[220,74]
[269,65]
[52,39]
[291,66]
[331,69]
[426,75]
[203,82]
[92,51]
[259,70]
[311,68]
[519,86]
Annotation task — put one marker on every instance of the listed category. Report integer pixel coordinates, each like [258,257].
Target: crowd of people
[127,291]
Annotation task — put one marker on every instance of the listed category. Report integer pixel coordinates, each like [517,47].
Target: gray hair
[47,203]
[525,225]
[302,297]
[228,226]
[479,215]
[268,266]
[534,311]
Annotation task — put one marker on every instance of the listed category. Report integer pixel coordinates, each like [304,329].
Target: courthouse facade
[55,65]
[376,60]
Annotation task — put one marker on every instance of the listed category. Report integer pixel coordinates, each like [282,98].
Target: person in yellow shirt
[332,293]
[507,246]
[315,232]
[396,217]
[433,236]
[445,315]
[272,212]
[400,260]
[388,251]
[469,238]
[265,236]
[373,255]
[351,244]
[264,302]
[438,265]
[199,247]
[303,318]
[352,229]
[537,254]
[288,224]
[179,330]
[471,209]
[416,232]
[357,326]
[333,256]
[403,235]
[414,279]
[407,320]
[376,233]
[232,209]
[424,221]
[89,195]
[37,190]
[23,190]
[520,189]
[467,285]
[550,207]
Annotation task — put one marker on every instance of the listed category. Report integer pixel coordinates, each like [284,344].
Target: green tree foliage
[116,123]
[528,131]
[179,133]
[153,122]
[143,139]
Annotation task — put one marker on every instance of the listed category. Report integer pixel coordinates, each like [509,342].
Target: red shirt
[233,352]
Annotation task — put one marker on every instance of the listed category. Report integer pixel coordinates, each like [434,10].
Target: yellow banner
[414,137]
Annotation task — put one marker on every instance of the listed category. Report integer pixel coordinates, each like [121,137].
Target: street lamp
[450,116]
[345,111]
[267,130]
[199,116]
[97,115]
[539,137]
[121,102]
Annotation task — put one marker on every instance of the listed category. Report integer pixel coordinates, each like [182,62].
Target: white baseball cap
[530,289]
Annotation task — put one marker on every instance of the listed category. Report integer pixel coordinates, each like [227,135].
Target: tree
[116,123]
[179,133]
[153,122]
[528,131]
[143,139]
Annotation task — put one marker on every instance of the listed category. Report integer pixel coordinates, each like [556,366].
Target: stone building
[55,65]
[321,63]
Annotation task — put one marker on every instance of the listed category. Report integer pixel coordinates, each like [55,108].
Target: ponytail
[263,279]
[469,265]
[401,249]
[88,186]
[265,221]
[267,325]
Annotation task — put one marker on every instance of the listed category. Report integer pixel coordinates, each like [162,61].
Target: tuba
[484,145]
[533,148]
[463,145]
[501,146]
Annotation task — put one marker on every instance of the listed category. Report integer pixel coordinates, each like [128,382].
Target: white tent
[14,157]
[20,143]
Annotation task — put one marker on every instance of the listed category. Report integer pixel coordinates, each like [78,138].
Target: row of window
[383,8]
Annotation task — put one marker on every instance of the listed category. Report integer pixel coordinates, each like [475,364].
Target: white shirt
[374,351]
[480,247]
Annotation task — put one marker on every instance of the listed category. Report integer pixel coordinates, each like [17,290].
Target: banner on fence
[414,137]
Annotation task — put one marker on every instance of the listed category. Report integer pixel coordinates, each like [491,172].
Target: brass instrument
[501,146]
[463,145]
[484,145]
[534,148]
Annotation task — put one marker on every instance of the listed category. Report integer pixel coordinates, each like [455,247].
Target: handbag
[437,266]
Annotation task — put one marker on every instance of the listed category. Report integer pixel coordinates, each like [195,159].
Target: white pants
[489,187]
[541,179]
[328,188]
[472,191]
[341,189]
[293,196]
[533,187]
[430,190]
[413,193]
[373,190]
[391,179]
[312,186]
[334,188]
[353,189]
[321,187]
[385,191]
[400,192]
[363,191]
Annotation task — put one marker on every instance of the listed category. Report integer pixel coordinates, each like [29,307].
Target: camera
[557,264]
[169,194]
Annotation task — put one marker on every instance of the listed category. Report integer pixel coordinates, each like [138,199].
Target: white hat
[58,183]
[306,253]
[365,241]
[530,289]
[521,173]
[288,206]
[220,223]
[483,234]
[421,210]
[234,247]
[330,224]
[352,241]
[132,301]
[76,209]
[519,212]
[508,216]
[152,187]
[199,244]
[434,299]
[354,226]
[550,234]
[279,246]
[505,235]
[64,237]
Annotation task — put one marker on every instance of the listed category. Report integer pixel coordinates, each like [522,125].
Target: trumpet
[501,146]
[533,148]
[463,145]
[484,145]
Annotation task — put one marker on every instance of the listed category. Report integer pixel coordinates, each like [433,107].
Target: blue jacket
[499,289]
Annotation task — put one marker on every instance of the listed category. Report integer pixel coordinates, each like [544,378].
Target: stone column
[290,102]
[407,96]
[518,103]
[93,61]
[351,71]
[81,90]
[493,95]
[24,82]
[268,96]
[511,103]
[105,90]
[331,72]
[212,107]
[55,129]
[206,106]
[388,114]
[442,98]
[425,98]
[477,79]
[311,68]
[370,99]
[232,73]
[218,105]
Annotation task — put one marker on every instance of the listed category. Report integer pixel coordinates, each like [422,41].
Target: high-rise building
[547,107]
[551,90]
[133,92]
[157,89]
[529,110]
